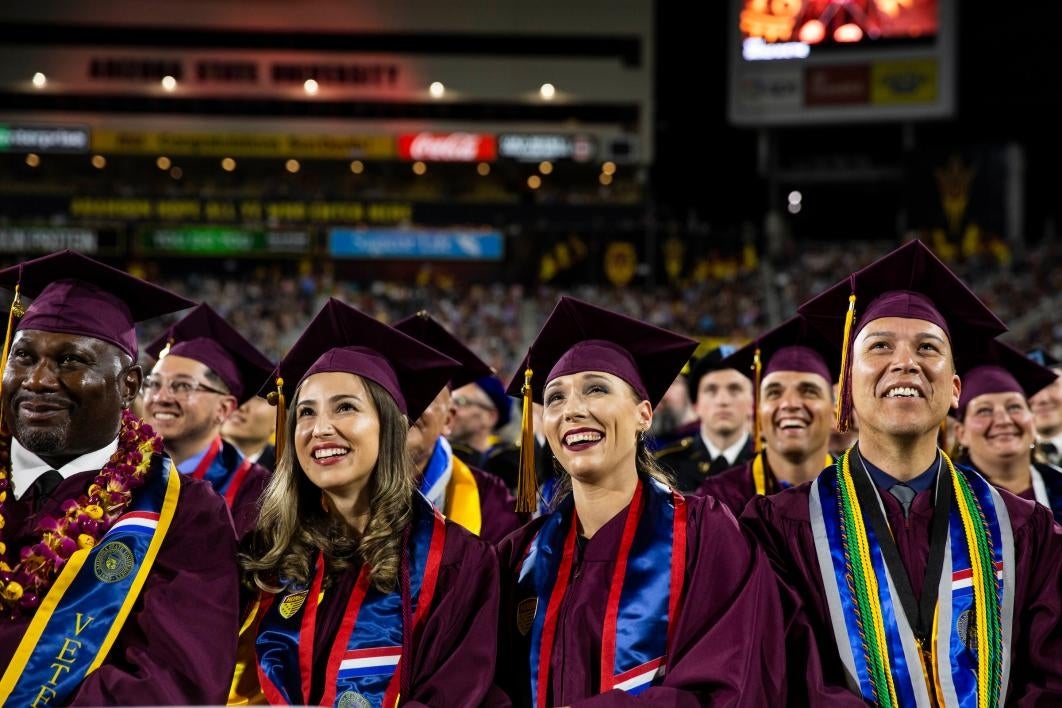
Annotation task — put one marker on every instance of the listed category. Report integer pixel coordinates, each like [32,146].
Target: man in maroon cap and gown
[118,577]
[627,593]
[924,584]
[205,370]
[369,593]
[475,499]
[793,405]
[995,426]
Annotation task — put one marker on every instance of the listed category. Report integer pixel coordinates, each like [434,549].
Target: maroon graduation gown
[178,646]
[727,648]
[496,506]
[734,487]
[454,657]
[782,525]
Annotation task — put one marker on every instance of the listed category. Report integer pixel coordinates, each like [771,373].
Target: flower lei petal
[82,523]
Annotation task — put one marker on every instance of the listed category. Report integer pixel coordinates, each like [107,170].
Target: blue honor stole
[364,661]
[643,598]
[884,661]
[80,618]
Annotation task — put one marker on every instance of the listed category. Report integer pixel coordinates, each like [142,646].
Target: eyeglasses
[463,401]
[178,388]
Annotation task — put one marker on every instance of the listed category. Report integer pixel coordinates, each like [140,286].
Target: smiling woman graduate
[627,593]
[369,597]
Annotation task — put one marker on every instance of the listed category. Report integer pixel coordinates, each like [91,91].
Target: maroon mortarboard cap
[74,294]
[341,338]
[909,282]
[426,329]
[1000,368]
[578,336]
[204,336]
[793,345]
[706,364]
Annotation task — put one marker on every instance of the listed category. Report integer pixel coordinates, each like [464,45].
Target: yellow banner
[913,81]
[243,144]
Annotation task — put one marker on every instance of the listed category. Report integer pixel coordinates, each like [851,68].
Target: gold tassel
[757,371]
[166,349]
[842,412]
[276,398]
[16,311]
[527,478]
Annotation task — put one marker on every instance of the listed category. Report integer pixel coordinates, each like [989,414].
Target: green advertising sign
[223,241]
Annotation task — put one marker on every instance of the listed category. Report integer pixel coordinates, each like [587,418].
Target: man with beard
[205,370]
[923,584]
[470,497]
[118,577]
[722,399]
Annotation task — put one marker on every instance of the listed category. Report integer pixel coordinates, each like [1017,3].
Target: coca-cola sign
[447,147]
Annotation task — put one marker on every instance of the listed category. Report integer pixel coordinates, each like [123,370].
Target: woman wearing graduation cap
[924,585]
[626,593]
[369,596]
[996,426]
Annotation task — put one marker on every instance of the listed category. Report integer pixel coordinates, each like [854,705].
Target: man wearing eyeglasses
[205,370]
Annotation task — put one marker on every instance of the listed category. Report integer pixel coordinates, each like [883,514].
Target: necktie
[904,495]
[44,486]
[718,465]
[1050,453]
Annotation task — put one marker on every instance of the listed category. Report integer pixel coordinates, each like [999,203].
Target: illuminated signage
[245,210]
[243,144]
[42,138]
[534,147]
[447,147]
[45,239]
[406,244]
[223,241]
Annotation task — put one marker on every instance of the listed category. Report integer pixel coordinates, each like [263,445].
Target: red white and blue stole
[965,659]
[643,599]
[364,662]
[213,468]
[80,618]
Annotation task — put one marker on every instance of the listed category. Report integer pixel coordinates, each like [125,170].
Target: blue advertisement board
[416,244]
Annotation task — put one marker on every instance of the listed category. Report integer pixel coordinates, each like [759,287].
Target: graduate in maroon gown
[793,404]
[924,584]
[118,577]
[996,429]
[627,593]
[466,495]
[369,595]
[205,370]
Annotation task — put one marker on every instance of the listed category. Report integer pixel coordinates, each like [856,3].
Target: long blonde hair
[293,523]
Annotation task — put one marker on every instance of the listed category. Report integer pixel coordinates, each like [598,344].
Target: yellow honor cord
[527,478]
[849,318]
[876,620]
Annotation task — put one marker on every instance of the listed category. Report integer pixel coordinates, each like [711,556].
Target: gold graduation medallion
[292,604]
[352,699]
[113,562]
[525,614]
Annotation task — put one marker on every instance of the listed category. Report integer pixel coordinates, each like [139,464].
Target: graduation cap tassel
[757,372]
[844,385]
[16,311]
[527,478]
[276,398]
